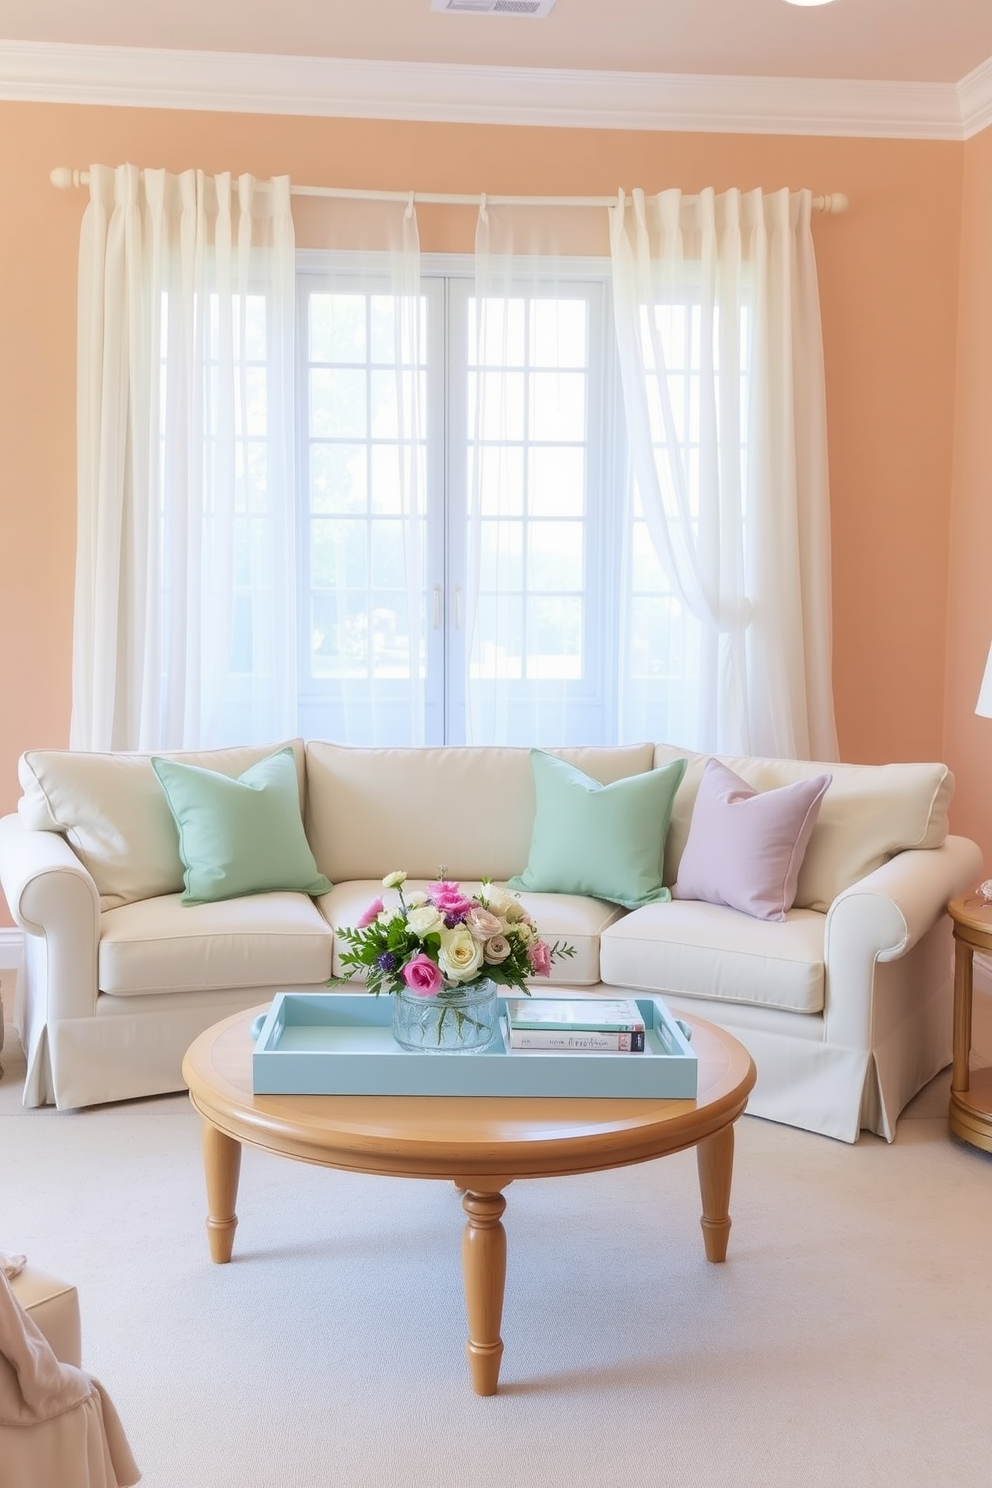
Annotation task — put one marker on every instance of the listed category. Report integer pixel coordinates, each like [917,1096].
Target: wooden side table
[970,1114]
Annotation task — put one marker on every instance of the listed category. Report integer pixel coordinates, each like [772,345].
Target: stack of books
[587,1026]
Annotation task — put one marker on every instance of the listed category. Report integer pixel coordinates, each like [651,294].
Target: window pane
[502,413]
[338,554]
[557,482]
[558,333]
[501,479]
[337,328]
[391,327]
[339,635]
[554,641]
[388,566]
[558,405]
[555,555]
[501,341]
[501,566]
[337,403]
[390,636]
[337,478]
[394,411]
[498,649]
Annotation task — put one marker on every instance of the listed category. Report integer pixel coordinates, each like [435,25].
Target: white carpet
[847,1341]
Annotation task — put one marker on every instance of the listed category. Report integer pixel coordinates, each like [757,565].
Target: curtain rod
[64,178]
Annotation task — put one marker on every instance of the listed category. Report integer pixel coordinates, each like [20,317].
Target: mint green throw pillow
[241,836]
[607,841]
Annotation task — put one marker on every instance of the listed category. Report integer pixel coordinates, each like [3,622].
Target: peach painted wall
[888,279]
[969,624]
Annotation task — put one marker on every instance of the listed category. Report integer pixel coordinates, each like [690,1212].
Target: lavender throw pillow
[745,847]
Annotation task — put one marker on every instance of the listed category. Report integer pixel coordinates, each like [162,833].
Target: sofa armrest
[51,894]
[880,918]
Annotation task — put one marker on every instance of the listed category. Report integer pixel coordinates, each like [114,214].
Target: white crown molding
[975,93]
[239,82]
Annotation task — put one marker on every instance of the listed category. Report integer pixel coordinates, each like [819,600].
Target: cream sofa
[844,1005]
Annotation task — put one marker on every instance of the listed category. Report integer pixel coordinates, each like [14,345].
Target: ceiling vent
[535,8]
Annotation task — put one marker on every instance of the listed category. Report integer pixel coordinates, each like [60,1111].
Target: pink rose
[482,924]
[539,956]
[422,976]
[372,913]
[449,899]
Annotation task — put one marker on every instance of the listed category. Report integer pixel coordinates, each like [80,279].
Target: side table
[970,1114]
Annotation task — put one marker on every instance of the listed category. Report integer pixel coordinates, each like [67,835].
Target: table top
[971,912]
[449,1136]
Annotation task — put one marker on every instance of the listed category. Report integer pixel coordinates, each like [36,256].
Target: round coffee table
[480,1144]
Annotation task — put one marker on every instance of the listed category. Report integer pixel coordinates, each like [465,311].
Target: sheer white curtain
[536,639]
[726,631]
[364,327]
[185,623]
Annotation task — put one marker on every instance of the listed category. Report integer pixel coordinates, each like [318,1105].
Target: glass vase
[457,1020]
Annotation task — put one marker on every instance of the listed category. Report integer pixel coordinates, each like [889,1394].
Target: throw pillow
[745,847]
[607,841]
[242,836]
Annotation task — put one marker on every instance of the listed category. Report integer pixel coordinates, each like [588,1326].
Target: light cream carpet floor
[846,1342]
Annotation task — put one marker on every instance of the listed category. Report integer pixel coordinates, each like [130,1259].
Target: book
[589,1015]
[588,1041]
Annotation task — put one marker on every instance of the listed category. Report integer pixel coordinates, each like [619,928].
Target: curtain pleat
[721,363]
[185,609]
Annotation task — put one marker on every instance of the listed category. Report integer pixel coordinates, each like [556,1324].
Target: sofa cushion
[468,809]
[745,847]
[242,836]
[162,945]
[113,813]
[569,917]
[607,841]
[707,950]
[869,813]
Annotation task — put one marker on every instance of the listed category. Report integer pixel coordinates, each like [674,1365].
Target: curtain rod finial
[835,202]
[63,177]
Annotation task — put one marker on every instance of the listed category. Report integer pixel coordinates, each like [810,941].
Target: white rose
[498,901]
[386,916]
[393,880]
[514,912]
[423,919]
[460,955]
[416,899]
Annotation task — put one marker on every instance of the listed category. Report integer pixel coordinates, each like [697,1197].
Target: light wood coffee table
[480,1144]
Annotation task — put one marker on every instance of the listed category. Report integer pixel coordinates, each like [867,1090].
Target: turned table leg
[484,1274]
[964,960]
[715,1160]
[222,1169]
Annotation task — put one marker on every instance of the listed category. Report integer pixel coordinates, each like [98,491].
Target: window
[464,449]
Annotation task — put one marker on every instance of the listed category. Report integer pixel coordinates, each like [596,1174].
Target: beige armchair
[57,1423]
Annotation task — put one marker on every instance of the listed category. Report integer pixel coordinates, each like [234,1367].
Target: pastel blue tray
[331,1043]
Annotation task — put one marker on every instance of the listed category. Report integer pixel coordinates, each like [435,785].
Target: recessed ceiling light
[809,2]
[536,8]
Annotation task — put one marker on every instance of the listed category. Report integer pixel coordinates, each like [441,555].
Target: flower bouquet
[445,945]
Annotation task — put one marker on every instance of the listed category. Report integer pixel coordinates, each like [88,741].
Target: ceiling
[910,41]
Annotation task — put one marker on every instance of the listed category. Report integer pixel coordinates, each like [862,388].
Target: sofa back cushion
[113,812]
[468,809]
[869,813]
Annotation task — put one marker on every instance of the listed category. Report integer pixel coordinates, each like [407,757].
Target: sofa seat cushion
[162,945]
[568,917]
[708,950]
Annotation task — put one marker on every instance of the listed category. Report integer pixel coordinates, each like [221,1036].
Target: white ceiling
[936,41]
